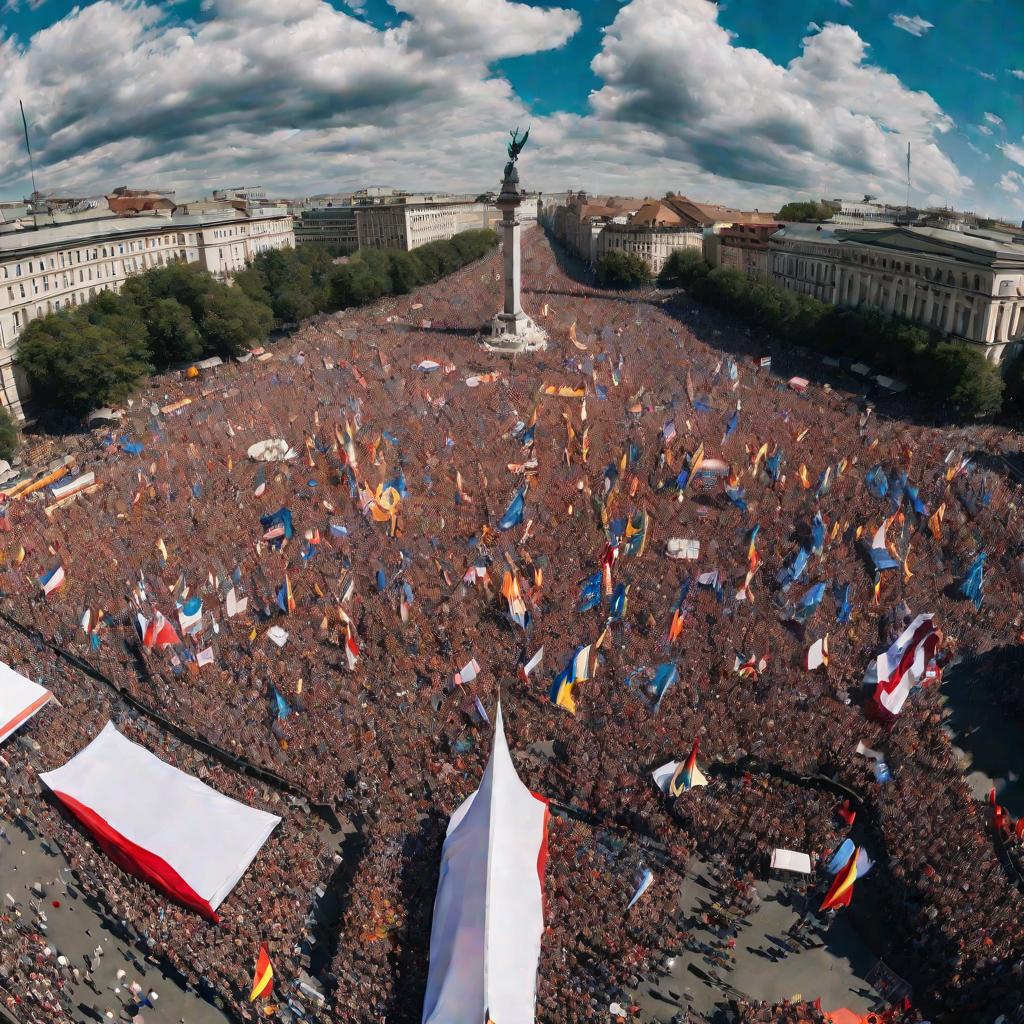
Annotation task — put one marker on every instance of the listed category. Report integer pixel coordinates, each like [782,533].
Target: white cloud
[845,3]
[1016,72]
[984,129]
[915,25]
[1014,152]
[980,152]
[826,121]
[813,26]
[987,75]
[1011,182]
[993,118]
[487,29]
[304,97]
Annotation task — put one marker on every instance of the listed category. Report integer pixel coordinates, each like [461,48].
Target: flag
[351,648]
[973,582]
[817,534]
[773,466]
[263,976]
[281,708]
[808,604]
[753,558]
[619,601]
[467,673]
[157,633]
[52,580]
[645,883]
[190,616]
[841,891]
[561,690]
[908,662]
[731,424]
[530,433]
[935,521]
[511,591]
[285,598]
[514,513]
[590,594]
[817,654]
[804,479]
[791,573]
[534,662]
[687,775]
[876,482]
[664,676]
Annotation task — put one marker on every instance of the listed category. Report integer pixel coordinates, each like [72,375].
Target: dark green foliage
[75,365]
[232,323]
[805,211]
[952,374]
[682,268]
[372,273]
[617,269]
[9,439]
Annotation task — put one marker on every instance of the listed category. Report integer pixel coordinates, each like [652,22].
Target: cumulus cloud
[306,97]
[1014,152]
[993,118]
[487,29]
[1011,182]
[829,116]
[915,25]
[1016,72]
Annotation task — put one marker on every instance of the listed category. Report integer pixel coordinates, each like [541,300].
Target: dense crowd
[399,399]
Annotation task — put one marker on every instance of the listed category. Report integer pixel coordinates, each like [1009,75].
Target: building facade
[744,247]
[392,222]
[968,285]
[55,268]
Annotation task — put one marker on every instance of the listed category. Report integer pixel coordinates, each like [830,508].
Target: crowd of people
[391,571]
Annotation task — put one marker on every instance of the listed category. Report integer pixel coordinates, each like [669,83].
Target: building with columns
[968,285]
[62,266]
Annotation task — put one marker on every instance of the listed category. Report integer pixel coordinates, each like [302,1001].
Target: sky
[743,102]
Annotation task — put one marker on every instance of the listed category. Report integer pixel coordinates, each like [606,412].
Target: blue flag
[808,604]
[791,573]
[877,482]
[817,533]
[974,581]
[281,708]
[773,466]
[664,676]
[514,514]
[844,605]
[590,595]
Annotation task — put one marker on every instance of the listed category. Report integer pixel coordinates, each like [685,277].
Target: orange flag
[263,977]
[841,891]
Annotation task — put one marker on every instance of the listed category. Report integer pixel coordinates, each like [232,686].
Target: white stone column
[950,313]
[510,228]
[986,324]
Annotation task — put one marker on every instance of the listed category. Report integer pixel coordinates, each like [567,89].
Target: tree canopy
[618,269]
[806,210]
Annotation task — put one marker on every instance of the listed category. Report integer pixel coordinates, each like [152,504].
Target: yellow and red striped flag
[263,976]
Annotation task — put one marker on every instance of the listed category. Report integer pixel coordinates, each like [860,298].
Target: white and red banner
[905,665]
[20,699]
[489,910]
[154,821]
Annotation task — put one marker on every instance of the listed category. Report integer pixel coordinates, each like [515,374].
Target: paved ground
[835,972]
[75,930]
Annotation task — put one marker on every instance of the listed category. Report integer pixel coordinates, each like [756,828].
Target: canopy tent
[20,699]
[489,910]
[791,860]
[154,821]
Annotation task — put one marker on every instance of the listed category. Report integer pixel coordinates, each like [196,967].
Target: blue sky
[640,96]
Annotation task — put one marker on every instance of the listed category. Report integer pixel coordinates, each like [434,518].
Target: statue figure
[515,147]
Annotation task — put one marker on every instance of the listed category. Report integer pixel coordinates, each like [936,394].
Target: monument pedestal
[512,330]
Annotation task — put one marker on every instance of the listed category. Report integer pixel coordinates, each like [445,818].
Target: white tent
[20,699]
[791,860]
[489,911]
[189,841]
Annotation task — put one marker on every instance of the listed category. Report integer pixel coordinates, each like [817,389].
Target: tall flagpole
[31,162]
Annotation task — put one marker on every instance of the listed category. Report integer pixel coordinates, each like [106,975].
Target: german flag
[263,977]
[841,891]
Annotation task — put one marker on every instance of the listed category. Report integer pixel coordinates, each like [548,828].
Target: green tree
[173,335]
[9,439]
[232,322]
[405,271]
[682,268]
[962,376]
[617,269]
[805,210]
[73,365]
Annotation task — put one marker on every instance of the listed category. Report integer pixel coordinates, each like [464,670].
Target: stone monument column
[512,330]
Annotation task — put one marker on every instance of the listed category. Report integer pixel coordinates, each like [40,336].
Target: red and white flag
[910,661]
[817,654]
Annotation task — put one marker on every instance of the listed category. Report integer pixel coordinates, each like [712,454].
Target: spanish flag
[935,522]
[263,977]
[805,480]
[285,599]
[841,891]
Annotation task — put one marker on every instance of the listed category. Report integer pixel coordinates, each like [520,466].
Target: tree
[618,269]
[805,210]
[173,335]
[232,322]
[961,375]
[405,271]
[9,439]
[682,268]
[74,365]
